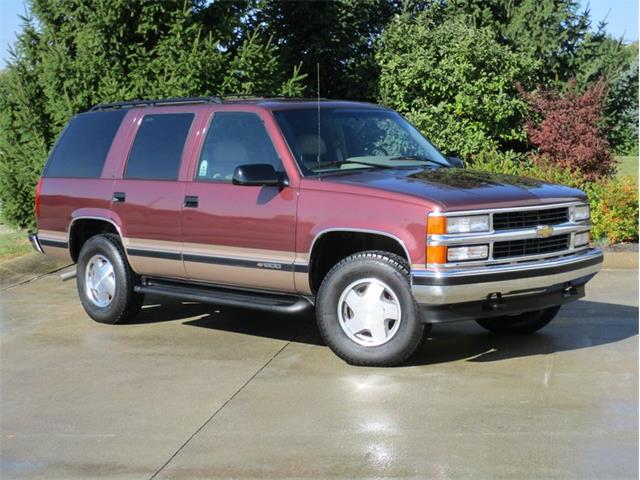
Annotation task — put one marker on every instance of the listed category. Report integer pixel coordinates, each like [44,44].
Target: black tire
[393,271]
[522,324]
[125,303]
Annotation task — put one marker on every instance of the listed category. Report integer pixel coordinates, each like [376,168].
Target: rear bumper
[35,242]
[434,289]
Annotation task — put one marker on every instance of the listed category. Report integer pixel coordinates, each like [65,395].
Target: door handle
[119,197]
[191,201]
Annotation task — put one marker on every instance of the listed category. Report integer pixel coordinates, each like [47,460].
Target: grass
[13,244]
[627,166]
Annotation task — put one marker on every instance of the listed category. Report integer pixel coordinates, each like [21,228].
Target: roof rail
[259,96]
[237,97]
[153,103]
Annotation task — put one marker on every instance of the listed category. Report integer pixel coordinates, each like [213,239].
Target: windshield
[349,138]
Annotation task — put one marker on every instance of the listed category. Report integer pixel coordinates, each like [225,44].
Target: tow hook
[494,302]
[569,291]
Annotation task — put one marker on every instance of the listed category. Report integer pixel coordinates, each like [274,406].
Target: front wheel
[366,312]
[524,323]
[106,281]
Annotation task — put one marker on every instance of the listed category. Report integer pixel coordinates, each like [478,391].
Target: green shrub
[614,210]
[613,201]
[455,82]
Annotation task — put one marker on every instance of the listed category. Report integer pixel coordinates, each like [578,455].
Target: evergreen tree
[339,35]
[25,129]
[92,51]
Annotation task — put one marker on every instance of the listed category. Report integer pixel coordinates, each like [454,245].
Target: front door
[238,235]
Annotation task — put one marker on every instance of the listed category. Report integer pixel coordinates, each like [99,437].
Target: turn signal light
[436,225]
[436,254]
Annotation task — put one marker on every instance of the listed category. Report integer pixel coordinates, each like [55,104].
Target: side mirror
[256,174]
[456,162]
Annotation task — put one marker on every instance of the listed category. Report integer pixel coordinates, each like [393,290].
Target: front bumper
[447,287]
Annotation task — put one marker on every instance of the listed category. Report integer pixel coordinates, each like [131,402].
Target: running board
[269,302]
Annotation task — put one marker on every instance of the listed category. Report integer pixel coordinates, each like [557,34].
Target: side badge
[272,266]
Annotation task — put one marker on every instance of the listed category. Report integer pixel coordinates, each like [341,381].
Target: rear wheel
[106,282]
[366,312]
[524,323]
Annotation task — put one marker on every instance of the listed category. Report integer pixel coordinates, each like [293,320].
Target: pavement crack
[229,400]
[32,279]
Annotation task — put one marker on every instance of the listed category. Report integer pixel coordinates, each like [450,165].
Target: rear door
[238,235]
[148,197]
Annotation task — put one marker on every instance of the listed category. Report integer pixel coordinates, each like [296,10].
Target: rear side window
[157,149]
[84,145]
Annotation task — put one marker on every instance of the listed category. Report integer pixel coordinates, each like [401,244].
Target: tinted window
[235,139]
[84,144]
[158,146]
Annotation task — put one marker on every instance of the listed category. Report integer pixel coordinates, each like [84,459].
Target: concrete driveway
[192,391]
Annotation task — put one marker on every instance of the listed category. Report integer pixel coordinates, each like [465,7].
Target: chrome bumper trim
[434,287]
[35,243]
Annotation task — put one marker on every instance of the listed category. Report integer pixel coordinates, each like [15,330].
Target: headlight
[581,239]
[581,212]
[475,223]
[475,252]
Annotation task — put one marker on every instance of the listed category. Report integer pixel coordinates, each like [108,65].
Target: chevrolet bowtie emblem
[544,231]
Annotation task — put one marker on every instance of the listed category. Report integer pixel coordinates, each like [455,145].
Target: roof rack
[154,103]
[231,97]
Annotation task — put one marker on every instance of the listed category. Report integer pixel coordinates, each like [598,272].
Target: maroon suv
[288,204]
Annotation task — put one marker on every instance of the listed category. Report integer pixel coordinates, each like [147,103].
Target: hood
[460,189]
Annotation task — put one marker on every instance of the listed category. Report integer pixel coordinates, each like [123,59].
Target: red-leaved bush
[568,129]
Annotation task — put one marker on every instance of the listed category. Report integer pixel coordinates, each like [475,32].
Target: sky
[621,16]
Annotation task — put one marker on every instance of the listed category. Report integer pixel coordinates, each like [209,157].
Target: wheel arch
[83,227]
[347,242]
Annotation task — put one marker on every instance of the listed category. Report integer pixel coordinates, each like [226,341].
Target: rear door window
[157,148]
[83,147]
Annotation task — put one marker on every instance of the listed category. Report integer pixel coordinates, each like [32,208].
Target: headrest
[308,144]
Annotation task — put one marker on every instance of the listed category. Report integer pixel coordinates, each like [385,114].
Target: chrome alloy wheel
[369,312]
[100,281]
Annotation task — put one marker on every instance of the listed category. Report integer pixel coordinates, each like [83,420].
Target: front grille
[530,218]
[530,246]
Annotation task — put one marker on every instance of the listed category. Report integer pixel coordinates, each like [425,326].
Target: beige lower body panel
[58,253]
[61,252]
[241,276]
[257,268]
[155,266]
[232,266]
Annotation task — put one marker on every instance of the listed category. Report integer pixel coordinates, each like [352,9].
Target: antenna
[318,103]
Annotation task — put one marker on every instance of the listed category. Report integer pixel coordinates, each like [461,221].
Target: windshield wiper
[382,165]
[368,164]
[357,162]
[420,158]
